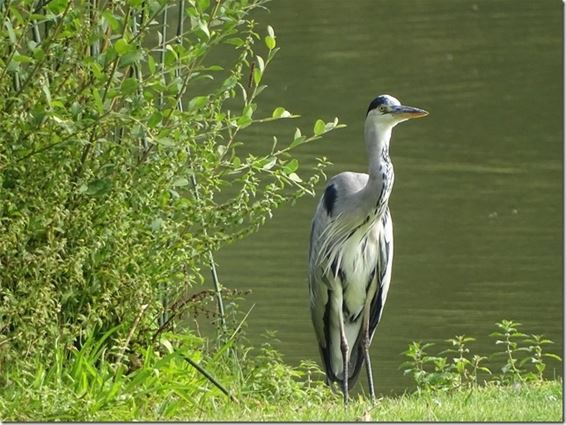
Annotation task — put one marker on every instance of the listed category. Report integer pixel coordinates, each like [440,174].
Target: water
[477,203]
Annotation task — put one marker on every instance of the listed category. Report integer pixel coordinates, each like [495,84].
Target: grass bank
[533,402]
[183,380]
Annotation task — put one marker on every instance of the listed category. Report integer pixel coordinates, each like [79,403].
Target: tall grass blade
[209,377]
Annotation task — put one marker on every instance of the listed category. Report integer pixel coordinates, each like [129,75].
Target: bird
[351,252]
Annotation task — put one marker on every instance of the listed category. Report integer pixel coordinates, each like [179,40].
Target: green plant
[418,366]
[534,347]
[509,336]
[442,373]
[466,368]
[125,163]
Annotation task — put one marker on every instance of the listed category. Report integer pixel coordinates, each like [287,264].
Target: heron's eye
[382,108]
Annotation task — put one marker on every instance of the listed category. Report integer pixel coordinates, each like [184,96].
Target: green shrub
[124,164]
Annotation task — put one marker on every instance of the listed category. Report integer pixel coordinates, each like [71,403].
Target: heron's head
[387,111]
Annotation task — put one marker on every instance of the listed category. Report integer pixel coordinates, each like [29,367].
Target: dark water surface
[477,204]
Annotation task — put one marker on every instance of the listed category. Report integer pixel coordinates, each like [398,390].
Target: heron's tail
[355,364]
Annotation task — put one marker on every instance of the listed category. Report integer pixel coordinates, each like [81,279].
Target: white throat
[377,136]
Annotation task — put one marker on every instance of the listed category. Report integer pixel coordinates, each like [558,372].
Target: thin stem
[131,333]
[193,179]
[208,376]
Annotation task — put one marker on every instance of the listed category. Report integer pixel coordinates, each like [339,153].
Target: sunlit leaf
[154,119]
[197,102]
[270,42]
[181,182]
[257,76]
[291,166]
[280,112]
[269,165]
[319,127]
[121,46]
[260,63]
[295,178]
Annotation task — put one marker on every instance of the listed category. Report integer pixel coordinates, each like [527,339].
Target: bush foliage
[123,161]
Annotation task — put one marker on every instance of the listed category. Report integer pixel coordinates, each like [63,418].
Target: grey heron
[351,251]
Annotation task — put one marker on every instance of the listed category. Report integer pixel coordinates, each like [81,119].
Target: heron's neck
[380,182]
[377,139]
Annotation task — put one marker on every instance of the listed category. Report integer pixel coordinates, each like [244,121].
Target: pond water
[477,204]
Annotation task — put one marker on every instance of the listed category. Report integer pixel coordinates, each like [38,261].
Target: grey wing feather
[383,274]
[317,287]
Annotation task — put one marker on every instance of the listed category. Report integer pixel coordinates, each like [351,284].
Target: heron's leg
[365,347]
[344,348]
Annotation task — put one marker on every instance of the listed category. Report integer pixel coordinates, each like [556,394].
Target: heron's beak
[408,112]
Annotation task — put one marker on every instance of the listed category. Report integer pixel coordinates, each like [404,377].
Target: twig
[131,333]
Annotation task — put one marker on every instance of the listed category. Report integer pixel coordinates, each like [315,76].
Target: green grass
[541,402]
[235,383]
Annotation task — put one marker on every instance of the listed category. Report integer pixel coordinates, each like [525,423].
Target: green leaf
[280,112]
[131,57]
[244,121]
[203,4]
[249,110]
[98,187]
[291,166]
[171,56]
[204,28]
[552,356]
[154,119]
[295,178]
[111,19]
[197,102]
[234,41]
[97,101]
[270,31]
[270,42]
[21,58]
[229,83]
[121,46]
[319,127]
[45,88]
[10,29]
[181,182]
[129,86]
[165,141]
[257,76]
[57,6]
[168,346]
[260,63]
[269,165]
[151,64]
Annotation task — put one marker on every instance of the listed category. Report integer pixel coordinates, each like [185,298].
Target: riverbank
[533,402]
[536,402]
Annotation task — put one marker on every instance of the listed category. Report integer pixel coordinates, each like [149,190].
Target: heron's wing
[383,271]
[319,285]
